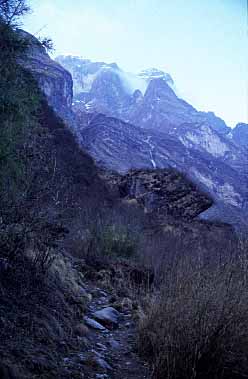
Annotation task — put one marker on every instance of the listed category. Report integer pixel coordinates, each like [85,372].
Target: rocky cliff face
[55,82]
[83,71]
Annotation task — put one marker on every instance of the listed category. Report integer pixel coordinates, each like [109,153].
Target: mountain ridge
[83,67]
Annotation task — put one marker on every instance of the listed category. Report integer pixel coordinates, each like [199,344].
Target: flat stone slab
[93,324]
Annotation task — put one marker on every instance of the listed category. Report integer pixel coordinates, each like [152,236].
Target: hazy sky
[203,44]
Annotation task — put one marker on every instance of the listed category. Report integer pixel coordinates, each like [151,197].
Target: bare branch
[11,10]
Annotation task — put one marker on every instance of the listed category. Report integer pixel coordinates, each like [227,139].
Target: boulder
[109,317]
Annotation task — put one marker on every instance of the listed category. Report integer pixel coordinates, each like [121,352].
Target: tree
[11,10]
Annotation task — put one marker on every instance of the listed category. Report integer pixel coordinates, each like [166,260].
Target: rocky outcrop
[165,193]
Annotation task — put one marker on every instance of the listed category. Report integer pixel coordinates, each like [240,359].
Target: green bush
[117,242]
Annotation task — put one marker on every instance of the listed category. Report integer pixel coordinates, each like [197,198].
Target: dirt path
[114,347]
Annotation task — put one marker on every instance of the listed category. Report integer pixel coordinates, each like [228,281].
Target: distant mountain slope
[147,125]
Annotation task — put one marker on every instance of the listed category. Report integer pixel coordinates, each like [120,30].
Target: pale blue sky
[203,44]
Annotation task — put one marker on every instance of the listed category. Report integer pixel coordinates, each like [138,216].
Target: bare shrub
[206,243]
[196,325]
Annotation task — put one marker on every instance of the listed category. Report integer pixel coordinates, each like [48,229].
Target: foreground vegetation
[195,324]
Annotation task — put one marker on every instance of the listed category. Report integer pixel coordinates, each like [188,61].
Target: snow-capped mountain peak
[153,73]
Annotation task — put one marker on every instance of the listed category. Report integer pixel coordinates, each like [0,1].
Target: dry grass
[195,326]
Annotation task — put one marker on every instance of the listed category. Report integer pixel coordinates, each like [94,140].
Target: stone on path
[109,317]
[93,324]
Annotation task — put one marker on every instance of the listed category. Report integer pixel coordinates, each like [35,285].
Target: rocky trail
[108,342]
